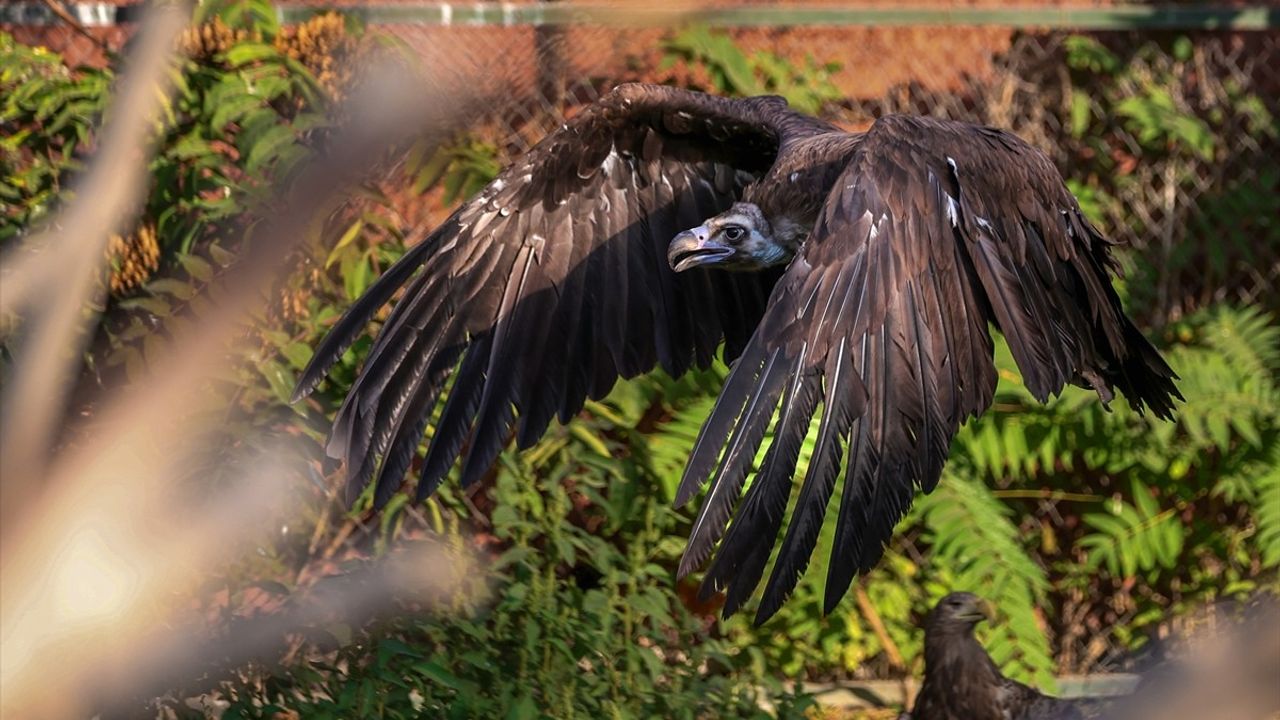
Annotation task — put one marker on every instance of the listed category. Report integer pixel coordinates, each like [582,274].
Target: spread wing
[934,230]
[549,285]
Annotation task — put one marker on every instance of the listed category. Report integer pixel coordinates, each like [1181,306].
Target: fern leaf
[974,539]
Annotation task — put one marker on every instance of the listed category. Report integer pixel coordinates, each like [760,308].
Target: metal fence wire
[1197,202]
[1171,194]
[1170,204]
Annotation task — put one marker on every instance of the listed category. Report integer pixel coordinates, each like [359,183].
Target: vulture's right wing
[933,231]
[551,284]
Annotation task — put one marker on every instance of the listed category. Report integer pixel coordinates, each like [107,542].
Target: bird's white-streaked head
[738,239]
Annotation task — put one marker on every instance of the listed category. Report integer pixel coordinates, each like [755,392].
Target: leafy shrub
[732,72]
[1150,127]
[47,117]
[583,622]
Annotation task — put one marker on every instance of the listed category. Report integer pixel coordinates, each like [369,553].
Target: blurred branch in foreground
[52,278]
[428,575]
[1230,676]
[107,535]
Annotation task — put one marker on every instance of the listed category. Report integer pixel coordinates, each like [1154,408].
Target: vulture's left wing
[551,284]
[934,230]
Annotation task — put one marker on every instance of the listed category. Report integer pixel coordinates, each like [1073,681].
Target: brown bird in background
[961,682]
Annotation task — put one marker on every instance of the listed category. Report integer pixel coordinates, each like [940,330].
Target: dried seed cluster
[321,44]
[206,41]
[324,47]
[133,259]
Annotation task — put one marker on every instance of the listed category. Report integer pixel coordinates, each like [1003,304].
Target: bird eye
[734,233]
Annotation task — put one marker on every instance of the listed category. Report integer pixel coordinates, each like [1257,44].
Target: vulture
[851,277]
[962,683]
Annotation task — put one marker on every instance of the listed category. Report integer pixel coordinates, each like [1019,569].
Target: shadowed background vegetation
[1097,533]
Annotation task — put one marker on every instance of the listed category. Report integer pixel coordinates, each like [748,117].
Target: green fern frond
[672,443]
[974,541]
[1248,337]
[1229,381]
[1266,509]
[1133,538]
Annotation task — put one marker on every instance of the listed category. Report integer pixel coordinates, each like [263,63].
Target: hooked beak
[977,612]
[693,248]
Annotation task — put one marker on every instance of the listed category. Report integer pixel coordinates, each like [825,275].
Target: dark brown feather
[932,231]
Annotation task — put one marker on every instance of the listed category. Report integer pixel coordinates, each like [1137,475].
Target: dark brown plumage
[904,243]
[962,683]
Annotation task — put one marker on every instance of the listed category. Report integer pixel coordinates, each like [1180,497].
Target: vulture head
[958,613]
[738,239]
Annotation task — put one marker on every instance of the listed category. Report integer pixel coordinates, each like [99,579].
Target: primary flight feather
[853,275]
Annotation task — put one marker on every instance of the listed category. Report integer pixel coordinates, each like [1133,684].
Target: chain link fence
[1170,204]
[1168,140]
[1195,199]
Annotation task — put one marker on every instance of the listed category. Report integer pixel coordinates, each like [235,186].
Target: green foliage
[1086,53]
[1152,491]
[47,117]
[583,622]
[257,15]
[238,130]
[1133,538]
[1266,507]
[233,128]
[807,87]
[1151,113]
[239,123]
[463,167]
[1243,219]
[1148,127]
[1230,379]
[1041,505]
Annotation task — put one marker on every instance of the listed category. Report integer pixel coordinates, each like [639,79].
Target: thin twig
[56,8]
[1047,495]
[877,626]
